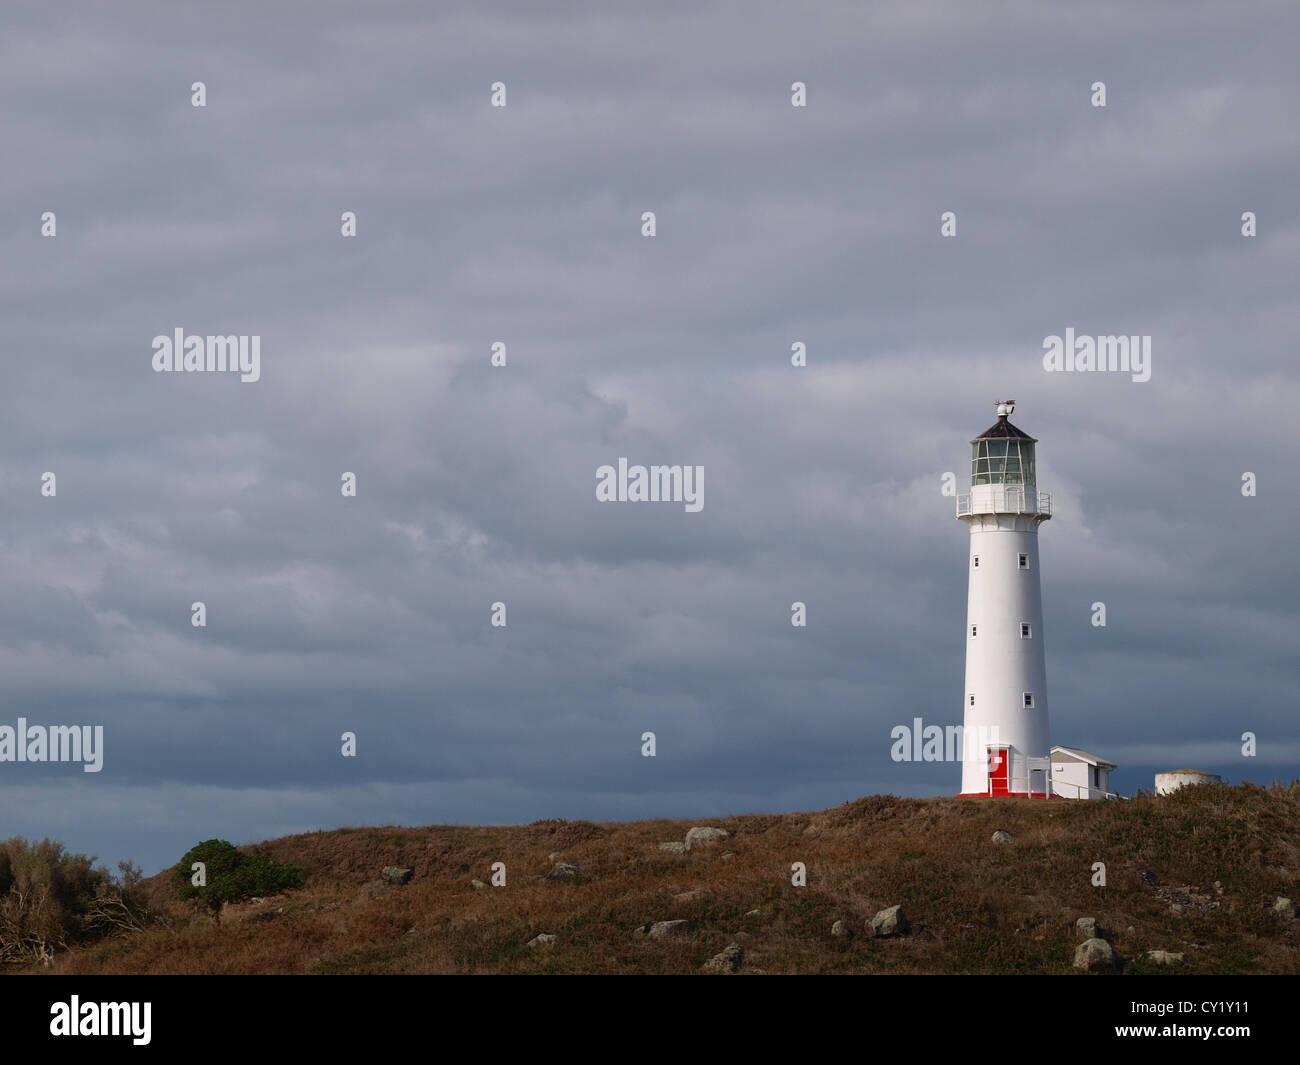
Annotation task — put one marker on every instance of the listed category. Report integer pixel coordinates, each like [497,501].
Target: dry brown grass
[976,906]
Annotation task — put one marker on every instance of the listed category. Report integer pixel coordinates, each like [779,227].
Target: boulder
[668,929]
[1003,837]
[704,837]
[726,962]
[1163,957]
[543,940]
[890,922]
[728,855]
[1284,908]
[477,885]
[562,871]
[396,874]
[1085,928]
[1095,956]
[842,930]
[675,847]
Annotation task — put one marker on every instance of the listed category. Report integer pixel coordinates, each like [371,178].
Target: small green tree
[231,875]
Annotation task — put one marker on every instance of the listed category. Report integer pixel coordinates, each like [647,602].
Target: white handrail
[1051,783]
[1088,788]
[1010,502]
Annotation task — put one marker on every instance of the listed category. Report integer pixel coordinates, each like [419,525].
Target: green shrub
[231,875]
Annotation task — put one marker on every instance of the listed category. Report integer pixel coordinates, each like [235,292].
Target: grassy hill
[975,906]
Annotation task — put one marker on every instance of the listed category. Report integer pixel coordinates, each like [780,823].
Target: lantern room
[1003,454]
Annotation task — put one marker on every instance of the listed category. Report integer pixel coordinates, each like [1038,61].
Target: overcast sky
[476,484]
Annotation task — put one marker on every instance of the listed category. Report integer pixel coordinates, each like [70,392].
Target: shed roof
[1084,756]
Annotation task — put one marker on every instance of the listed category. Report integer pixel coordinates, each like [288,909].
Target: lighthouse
[1005,733]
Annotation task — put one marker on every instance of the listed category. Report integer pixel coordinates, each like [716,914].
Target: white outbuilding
[1077,774]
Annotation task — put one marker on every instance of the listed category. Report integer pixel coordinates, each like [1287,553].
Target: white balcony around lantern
[1004,499]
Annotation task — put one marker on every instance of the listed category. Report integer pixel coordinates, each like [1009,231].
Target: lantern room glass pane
[1002,462]
[1028,474]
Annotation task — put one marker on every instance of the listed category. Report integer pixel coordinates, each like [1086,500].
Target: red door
[998,759]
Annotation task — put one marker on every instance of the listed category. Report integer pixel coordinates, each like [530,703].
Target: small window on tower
[1022,561]
[1026,631]
[975,561]
[1029,700]
[972,632]
[972,699]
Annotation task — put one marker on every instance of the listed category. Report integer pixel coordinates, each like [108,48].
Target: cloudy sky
[775,225]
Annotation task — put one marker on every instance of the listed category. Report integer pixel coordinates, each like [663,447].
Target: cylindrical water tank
[1178,778]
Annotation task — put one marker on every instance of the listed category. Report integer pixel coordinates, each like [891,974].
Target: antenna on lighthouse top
[1005,406]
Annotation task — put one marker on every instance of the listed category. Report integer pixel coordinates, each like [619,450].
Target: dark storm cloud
[477,484]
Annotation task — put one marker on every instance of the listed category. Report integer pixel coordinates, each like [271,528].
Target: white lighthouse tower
[1005,735]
